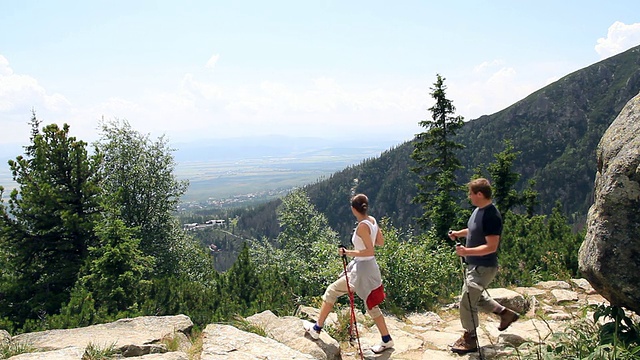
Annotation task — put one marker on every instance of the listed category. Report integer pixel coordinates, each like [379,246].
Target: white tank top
[358,242]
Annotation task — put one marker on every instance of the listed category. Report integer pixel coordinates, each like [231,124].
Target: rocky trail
[547,307]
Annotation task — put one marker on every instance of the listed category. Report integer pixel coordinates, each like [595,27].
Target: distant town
[234,201]
[208,223]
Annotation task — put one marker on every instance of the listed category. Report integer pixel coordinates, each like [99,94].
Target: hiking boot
[465,344]
[507,317]
[308,327]
[382,346]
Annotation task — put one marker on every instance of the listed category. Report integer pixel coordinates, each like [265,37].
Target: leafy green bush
[537,248]
[418,274]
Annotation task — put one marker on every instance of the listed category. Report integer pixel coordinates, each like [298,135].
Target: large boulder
[609,257]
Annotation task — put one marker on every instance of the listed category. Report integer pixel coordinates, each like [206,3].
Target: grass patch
[172,342]
[196,344]
[97,352]
[242,324]
[12,348]
[341,330]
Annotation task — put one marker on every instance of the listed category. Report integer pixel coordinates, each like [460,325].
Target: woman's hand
[342,251]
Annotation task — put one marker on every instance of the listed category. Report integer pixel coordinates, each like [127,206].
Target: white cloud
[19,95]
[212,61]
[620,37]
[18,92]
[5,70]
[320,107]
[487,65]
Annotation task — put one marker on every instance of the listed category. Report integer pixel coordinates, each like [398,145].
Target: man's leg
[488,304]
[476,280]
[473,296]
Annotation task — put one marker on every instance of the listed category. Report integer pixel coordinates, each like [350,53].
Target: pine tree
[242,281]
[435,154]
[48,224]
[504,179]
[116,267]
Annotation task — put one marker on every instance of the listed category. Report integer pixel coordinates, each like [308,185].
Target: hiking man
[480,253]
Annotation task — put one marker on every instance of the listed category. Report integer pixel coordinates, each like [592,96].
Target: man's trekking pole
[353,324]
[466,285]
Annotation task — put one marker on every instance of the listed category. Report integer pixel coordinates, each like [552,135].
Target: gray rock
[5,337]
[438,355]
[609,257]
[131,336]
[564,295]
[423,319]
[288,330]
[584,285]
[228,343]
[512,339]
[175,355]
[510,299]
[548,285]
[70,353]
[560,316]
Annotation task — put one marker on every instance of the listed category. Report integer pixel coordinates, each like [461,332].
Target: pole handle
[344,255]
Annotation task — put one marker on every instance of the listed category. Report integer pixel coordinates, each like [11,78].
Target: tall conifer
[435,155]
[47,225]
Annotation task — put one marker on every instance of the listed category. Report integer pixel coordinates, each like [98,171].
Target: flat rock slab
[124,333]
[288,330]
[226,342]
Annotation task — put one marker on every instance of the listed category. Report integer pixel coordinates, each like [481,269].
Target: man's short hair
[481,185]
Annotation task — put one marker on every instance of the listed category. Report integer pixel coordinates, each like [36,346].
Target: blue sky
[200,70]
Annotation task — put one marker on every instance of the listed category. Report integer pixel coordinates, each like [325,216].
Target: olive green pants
[474,297]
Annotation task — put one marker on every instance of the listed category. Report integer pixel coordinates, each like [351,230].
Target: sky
[197,71]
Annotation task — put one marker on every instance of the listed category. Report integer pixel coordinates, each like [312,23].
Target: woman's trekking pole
[353,324]
[466,285]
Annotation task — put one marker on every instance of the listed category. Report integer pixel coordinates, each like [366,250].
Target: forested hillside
[556,130]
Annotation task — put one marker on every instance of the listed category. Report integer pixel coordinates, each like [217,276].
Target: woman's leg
[379,320]
[335,290]
[325,309]
[381,324]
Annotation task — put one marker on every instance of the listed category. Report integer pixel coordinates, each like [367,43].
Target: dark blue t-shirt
[483,222]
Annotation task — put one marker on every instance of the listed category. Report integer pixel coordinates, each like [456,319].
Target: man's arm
[489,248]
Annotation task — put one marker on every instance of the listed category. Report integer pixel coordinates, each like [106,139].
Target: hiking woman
[363,275]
